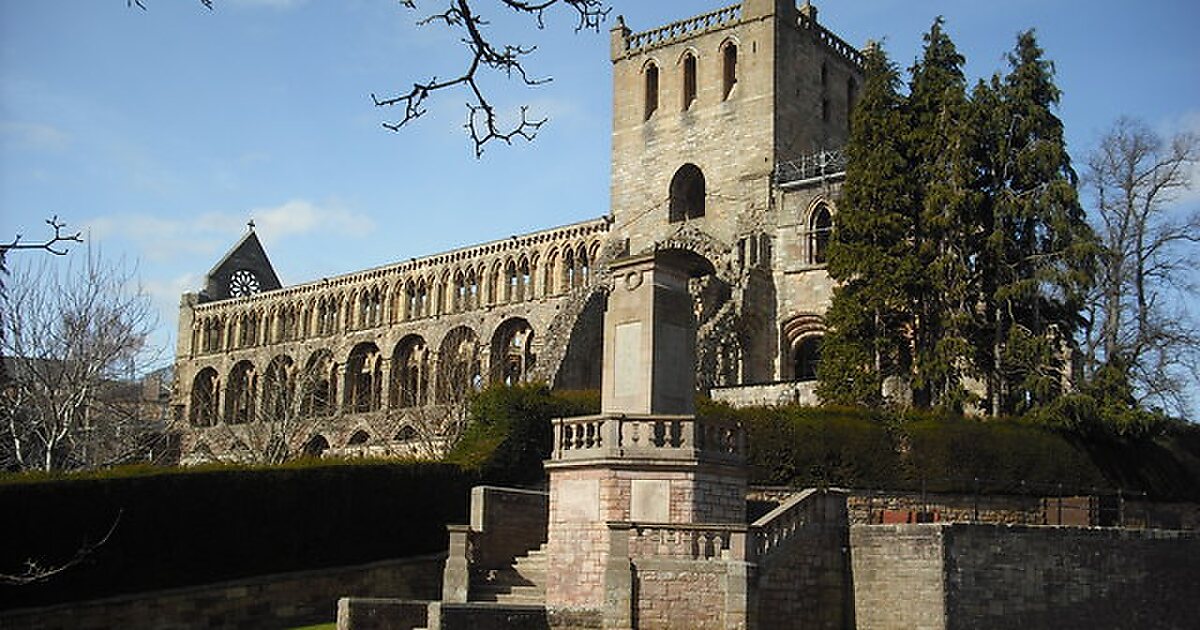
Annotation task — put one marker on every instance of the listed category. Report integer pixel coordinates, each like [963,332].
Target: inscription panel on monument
[578,500]
[650,501]
[628,373]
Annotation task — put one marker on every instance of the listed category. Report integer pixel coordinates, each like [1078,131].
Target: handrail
[811,167]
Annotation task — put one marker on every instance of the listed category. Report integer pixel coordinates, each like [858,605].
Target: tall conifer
[871,255]
[944,221]
[1037,245]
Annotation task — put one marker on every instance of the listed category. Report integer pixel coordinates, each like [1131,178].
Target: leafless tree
[1139,323]
[75,334]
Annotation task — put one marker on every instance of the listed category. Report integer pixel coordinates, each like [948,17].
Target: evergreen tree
[944,221]
[871,255]
[1037,246]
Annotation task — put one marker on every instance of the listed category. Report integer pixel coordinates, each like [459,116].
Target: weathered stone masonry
[726,135]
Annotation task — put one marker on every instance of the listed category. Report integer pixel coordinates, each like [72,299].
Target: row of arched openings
[416,378]
[461,290]
[688,63]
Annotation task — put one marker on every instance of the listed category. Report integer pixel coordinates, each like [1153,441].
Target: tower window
[729,67]
[651,90]
[820,228]
[689,80]
[687,193]
[824,74]
[825,110]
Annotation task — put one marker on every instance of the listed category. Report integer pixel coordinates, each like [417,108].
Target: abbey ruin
[726,137]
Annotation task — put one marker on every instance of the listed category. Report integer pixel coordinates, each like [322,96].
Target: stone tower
[706,109]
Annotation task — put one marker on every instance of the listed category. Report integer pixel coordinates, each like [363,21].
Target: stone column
[649,335]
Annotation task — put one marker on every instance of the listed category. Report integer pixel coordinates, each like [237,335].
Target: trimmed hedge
[862,448]
[184,527]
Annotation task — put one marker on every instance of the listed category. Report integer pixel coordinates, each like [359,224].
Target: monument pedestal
[646,459]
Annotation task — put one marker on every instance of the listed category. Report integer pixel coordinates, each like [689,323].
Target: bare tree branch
[34,571]
[483,124]
[50,244]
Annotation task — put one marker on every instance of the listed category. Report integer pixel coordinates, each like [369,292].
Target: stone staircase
[522,583]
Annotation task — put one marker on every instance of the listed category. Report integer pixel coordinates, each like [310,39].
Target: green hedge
[184,527]
[862,448]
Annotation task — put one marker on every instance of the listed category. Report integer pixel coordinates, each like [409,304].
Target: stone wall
[803,583]
[1002,576]
[506,523]
[274,601]
[898,576]
[669,591]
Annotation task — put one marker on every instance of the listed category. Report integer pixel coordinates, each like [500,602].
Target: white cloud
[166,238]
[39,136]
[1187,123]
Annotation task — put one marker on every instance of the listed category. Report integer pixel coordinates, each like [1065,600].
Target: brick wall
[804,584]
[274,601]
[950,576]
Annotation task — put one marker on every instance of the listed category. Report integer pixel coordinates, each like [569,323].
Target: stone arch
[240,393]
[205,385]
[315,446]
[687,193]
[511,352]
[551,272]
[407,433]
[458,365]
[359,438]
[650,87]
[802,335]
[364,373]
[688,62]
[410,373]
[729,67]
[278,390]
[318,384]
[819,228]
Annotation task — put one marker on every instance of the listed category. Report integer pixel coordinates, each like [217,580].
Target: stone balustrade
[777,526]
[648,437]
[683,28]
[834,43]
[682,541]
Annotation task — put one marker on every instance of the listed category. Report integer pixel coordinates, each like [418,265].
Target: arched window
[359,438]
[729,61]
[406,434]
[687,193]
[651,89]
[689,80]
[363,375]
[241,393]
[806,357]
[820,227]
[278,386]
[316,446]
[204,398]
[410,373]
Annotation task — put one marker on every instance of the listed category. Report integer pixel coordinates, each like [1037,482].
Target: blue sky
[161,132]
